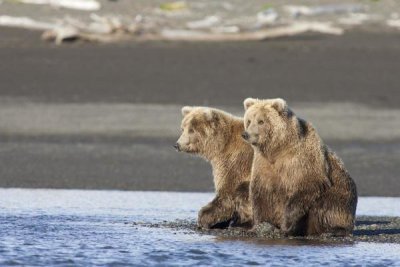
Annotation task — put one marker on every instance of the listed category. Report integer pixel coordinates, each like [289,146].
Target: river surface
[94,228]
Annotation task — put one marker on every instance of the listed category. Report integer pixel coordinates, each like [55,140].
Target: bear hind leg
[216,214]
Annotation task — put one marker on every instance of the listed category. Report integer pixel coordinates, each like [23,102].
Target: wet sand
[367,229]
[77,149]
[152,164]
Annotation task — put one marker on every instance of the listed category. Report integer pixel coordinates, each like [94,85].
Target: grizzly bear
[297,183]
[216,136]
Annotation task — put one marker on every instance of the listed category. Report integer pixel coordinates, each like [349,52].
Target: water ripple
[38,234]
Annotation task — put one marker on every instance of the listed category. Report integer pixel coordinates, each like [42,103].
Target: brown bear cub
[297,184]
[216,136]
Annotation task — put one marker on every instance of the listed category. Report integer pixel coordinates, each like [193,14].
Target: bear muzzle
[177,146]
[251,138]
[245,136]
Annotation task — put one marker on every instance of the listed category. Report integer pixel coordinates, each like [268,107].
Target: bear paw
[288,228]
[208,220]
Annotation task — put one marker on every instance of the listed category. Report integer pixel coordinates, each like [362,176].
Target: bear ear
[279,104]
[186,110]
[248,102]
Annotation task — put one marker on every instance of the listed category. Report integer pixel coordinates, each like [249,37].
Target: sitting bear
[297,183]
[216,136]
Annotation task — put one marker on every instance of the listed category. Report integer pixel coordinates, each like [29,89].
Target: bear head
[203,131]
[267,123]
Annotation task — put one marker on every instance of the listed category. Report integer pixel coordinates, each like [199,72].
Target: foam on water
[76,227]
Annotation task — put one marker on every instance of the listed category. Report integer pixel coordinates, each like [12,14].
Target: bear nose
[177,147]
[245,135]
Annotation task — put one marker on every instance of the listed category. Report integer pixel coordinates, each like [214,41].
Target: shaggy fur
[297,184]
[216,136]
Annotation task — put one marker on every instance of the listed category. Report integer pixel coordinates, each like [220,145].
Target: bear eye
[191,131]
[260,122]
[248,122]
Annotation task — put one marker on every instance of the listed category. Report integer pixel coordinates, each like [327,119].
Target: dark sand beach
[359,67]
[83,115]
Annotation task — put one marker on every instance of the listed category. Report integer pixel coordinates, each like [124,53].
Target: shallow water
[76,227]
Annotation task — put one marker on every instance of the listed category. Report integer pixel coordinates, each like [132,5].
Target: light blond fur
[216,136]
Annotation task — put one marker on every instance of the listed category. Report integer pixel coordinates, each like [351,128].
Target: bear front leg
[243,215]
[295,212]
[216,214]
[293,221]
[298,205]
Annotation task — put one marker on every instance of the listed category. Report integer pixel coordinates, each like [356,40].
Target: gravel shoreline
[368,229]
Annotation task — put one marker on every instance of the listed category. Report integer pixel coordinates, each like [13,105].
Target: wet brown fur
[298,184]
[217,138]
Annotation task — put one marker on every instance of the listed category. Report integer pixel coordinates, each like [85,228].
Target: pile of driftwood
[268,25]
[108,29]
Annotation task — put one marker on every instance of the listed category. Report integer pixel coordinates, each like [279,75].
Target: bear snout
[177,147]
[245,136]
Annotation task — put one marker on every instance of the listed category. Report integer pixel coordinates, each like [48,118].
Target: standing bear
[297,183]
[216,136]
